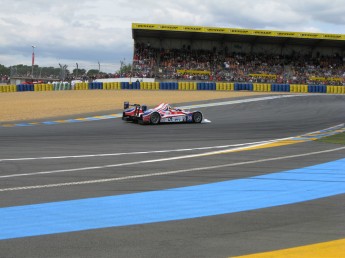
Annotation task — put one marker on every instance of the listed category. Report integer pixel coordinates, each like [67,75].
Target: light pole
[122,65]
[33,61]
[76,74]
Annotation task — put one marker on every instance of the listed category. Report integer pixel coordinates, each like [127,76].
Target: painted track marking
[274,143]
[226,197]
[160,173]
[271,143]
[135,153]
[331,249]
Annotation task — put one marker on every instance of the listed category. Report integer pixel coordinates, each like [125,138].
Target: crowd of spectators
[213,65]
[4,78]
[324,70]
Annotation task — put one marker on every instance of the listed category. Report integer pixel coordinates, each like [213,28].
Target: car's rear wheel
[197,117]
[155,118]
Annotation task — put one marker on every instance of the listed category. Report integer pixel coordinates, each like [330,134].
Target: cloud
[88,31]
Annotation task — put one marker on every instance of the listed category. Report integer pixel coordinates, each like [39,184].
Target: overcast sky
[87,32]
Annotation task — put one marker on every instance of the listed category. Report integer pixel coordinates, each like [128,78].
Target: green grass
[336,139]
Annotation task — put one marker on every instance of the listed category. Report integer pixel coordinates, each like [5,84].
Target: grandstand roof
[140,30]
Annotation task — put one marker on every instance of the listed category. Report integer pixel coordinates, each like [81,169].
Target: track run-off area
[251,179]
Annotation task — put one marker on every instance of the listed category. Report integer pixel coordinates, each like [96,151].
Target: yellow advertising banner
[238,31]
[193,72]
[263,75]
[334,79]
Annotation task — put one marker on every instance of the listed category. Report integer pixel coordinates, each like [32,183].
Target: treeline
[46,72]
[60,73]
[4,71]
[42,72]
[38,72]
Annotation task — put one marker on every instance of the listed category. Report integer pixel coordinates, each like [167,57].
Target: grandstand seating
[210,65]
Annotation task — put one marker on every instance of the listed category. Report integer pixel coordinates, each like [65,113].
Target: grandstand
[184,53]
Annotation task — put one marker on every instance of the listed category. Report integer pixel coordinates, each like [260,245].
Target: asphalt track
[113,167]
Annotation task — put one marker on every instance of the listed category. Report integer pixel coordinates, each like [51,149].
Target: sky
[98,32]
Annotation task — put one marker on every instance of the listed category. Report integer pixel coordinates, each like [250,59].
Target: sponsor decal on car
[173,119]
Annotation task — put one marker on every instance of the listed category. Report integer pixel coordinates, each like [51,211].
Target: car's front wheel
[197,117]
[155,118]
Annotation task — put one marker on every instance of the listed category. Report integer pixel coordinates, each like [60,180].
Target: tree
[4,70]
[125,68]
[25,70]
[50,72]
[80,72]
[92,72]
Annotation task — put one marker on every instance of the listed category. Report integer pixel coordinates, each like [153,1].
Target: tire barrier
[25,87]
[57,86]
[299,88]
[262,87]
[317,88]
[111,86]
[206,86]
[225,86]
[149,85]
[187,86]
[169,86]
[183,86]
[43,87]
[124,85]
[61,86]
[336,89]
[243,86]
[8,88]
[95,86]
[130,85]
[81,86]
[280,87]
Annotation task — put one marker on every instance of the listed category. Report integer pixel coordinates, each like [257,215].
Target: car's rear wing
[126,105]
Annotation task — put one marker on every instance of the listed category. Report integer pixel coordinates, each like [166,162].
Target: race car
[163,113]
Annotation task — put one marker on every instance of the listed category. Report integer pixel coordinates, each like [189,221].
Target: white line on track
[223,151]
[139,152]
[246,146]
[168,172]
[240,101]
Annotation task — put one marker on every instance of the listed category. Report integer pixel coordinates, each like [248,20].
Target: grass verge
[336,139]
